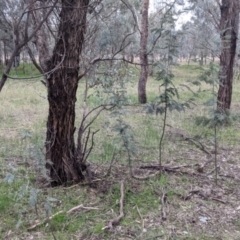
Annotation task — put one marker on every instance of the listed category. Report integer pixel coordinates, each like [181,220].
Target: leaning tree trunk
[229,33]
[142,96]
[62,86]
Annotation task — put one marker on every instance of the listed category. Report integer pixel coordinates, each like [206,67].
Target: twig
[83,184]
[74,209]
[198,144]
[166,168]
[176,169]
[53,235]
[215,169]
[142,220]
[44,221]
[111,164]
[116,220]
[219,200]
[146,177]
[163,200]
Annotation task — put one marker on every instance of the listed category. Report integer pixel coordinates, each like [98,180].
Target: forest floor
[195,196]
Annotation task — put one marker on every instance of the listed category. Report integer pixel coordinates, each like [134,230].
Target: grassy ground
[183,203]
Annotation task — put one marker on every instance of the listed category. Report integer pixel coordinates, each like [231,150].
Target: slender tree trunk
[5,53]
[41,39]
[229,33]
[8,68]
[62,86]
[142,96]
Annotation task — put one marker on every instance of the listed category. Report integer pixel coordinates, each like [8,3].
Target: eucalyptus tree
[199,39]
[66,66]
[142,96]
[224,16]
[229,24]
[111,33]
[18,14]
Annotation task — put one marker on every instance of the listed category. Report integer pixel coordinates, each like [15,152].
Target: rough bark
[142,96]
[229,32]
[62,86]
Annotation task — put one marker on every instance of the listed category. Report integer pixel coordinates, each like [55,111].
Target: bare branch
[33,59]
[131,8]
[161,26]
[216,22]
[22,44]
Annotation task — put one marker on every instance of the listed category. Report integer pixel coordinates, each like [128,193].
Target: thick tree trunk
[142,96]
[62,87]
[229,33]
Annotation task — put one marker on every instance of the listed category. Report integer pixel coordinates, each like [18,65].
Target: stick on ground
[116,220]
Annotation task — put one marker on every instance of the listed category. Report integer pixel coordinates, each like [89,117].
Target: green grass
[24,110]
[24,70]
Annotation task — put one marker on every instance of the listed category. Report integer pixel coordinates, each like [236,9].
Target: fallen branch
[75,209]
[72,210]
[116,220]
[219,200]
[200,194]
[141,218]
[198,144]
[167,168]
[38,224]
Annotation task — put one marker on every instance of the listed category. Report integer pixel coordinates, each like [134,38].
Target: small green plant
[168,99]
[216,118]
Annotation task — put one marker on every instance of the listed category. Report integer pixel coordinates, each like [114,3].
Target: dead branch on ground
[200,194]
[142,220]
[169,168]
[75,209]
[38,224]
[116,220]
[71,211]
